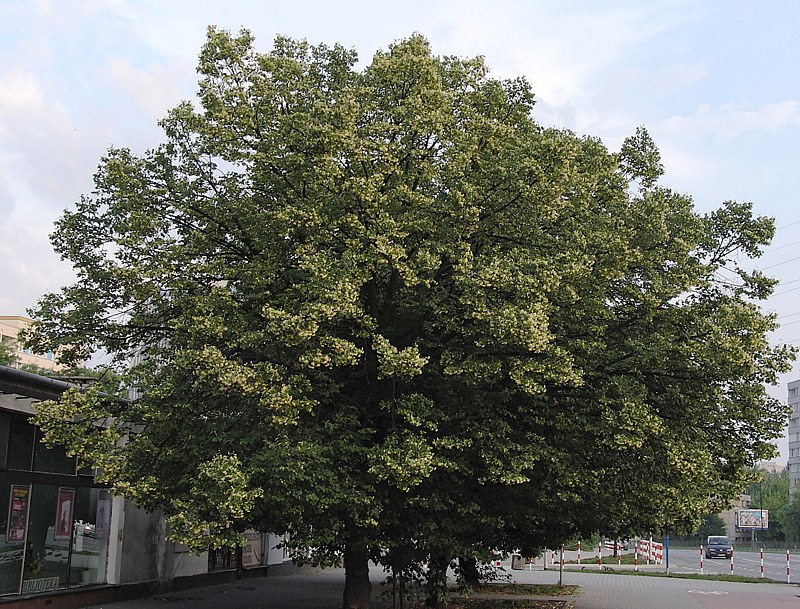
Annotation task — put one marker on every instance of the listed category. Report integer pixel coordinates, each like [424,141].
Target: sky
[715,82]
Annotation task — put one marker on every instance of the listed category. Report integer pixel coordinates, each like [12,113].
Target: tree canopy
[386,311]
[770,492]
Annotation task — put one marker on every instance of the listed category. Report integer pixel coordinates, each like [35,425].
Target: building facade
[793,464]
[10,327]
[61,532]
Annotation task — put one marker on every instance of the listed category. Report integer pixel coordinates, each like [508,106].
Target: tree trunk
[357,587]
[468,566]
[436,584]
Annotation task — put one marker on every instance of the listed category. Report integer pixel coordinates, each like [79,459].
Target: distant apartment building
[740,502]
[10,327]
[773,467]
[794,437]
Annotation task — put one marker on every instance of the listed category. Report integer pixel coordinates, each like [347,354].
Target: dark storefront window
[5,421]
[27,452]
[222,558]
[10,550]
[54,528]
[20,444]
[51,460]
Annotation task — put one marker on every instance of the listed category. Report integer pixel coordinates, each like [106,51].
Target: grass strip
[527,589]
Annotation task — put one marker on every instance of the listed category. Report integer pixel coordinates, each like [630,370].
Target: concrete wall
[186,563]
[276,556]
[145,555]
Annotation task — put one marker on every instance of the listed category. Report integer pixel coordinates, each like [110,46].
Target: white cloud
[40,147]
[727,122]
[153,88]
[36,269]
[674,78]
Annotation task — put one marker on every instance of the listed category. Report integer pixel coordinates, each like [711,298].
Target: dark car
[719,546]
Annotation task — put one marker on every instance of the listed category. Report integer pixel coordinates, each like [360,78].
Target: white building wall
[276,553]
[794,437]
[10,327]
[186,563]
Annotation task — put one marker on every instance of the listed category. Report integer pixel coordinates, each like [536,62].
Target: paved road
[323,590]
[614,591]
[745,562]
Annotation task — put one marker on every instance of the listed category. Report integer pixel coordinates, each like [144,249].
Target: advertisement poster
[752,519]
[18,513]
[66,505]
[103,515]
[252,552]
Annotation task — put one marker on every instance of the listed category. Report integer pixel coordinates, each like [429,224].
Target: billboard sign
[748,520]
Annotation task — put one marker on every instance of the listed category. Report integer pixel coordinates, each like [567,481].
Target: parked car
[719,546]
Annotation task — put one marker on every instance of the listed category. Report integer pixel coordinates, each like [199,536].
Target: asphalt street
[306,589]
[746,562]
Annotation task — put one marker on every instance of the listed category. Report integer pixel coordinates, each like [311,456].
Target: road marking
[717,592]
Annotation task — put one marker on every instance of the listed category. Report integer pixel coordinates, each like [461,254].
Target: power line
[764,268]
[769,250]
[786,291]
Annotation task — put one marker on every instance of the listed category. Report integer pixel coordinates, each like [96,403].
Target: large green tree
[770,492]
[386,311]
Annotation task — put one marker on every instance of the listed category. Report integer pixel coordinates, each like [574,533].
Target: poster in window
[18,513]
[66,505]
[103,515]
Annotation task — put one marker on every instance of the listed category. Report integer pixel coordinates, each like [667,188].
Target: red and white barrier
[579,552]
[788,573]
[731,561]
[702,556]
[762,563]
[652,550]
[600,556]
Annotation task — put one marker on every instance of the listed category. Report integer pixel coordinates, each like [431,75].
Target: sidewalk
[312,589]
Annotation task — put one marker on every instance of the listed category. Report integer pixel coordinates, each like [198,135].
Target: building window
[27,452]
[62,541]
